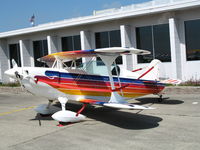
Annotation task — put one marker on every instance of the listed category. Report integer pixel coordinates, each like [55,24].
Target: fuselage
[75,84]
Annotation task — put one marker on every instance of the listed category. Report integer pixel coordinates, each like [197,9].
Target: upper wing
[68,55]
[122,50]
[73,55]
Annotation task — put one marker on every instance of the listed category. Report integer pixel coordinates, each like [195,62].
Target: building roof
[151,7]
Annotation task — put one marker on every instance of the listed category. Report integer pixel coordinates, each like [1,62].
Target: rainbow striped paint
[68,55]
[96,85]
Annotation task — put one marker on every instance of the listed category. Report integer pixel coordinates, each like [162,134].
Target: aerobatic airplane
[88,83]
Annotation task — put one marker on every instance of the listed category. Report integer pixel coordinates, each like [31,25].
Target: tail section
[151,72]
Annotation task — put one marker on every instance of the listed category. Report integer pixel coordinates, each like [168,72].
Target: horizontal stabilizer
[171,81]
[126,106]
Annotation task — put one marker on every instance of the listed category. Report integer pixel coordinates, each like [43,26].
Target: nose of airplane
[10,73]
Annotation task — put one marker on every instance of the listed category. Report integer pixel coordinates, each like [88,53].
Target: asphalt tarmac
[174,124]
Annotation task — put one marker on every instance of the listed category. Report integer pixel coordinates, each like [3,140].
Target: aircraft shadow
[121,119]
[126,120]
[166,100]
[42,117]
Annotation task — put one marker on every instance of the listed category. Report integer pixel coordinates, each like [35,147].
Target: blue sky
[15,14]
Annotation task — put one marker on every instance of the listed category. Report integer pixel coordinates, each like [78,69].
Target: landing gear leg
[82,108]
[49,104]
[160,98]
[63,102]
[46,109]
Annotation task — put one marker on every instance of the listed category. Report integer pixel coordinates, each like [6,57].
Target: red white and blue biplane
[108,85]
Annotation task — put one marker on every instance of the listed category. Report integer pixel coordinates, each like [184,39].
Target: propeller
[17,75]
[19,79]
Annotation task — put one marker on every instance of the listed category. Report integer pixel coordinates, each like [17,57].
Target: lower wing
[115,105]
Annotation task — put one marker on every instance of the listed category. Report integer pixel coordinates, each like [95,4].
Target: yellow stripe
[91,93]
[13,111]
[79,92]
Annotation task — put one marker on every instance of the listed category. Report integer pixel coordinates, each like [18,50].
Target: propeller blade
[19,78]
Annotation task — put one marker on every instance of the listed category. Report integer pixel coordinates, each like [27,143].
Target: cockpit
[91,66]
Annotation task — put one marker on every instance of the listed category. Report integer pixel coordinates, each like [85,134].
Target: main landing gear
[46,109]
[65,116]
[160,99]
[62,116]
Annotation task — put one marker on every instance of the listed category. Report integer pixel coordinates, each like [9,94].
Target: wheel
[62,124]
[45,115]
[160,99]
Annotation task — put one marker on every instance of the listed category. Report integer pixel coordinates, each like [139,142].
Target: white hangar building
[170,29]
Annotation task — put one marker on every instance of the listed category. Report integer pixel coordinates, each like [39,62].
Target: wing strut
[108,60]
[120,85]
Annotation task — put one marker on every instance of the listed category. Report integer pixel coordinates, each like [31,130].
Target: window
[67,44]
[14,51]
[77,42]
[115,38]
[40,49]
[192,37]
[144,41]
[156,40]
[108,39]
[71,43]
[102,39]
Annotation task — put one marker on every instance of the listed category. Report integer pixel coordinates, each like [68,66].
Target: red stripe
[146,72]
[118,89]
[102,85]
[137,70]
[148,90]
[89,101]
[57,85]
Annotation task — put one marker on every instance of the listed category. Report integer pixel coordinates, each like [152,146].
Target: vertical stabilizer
[151,72]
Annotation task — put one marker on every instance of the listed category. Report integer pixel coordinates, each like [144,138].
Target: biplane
[108,85]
